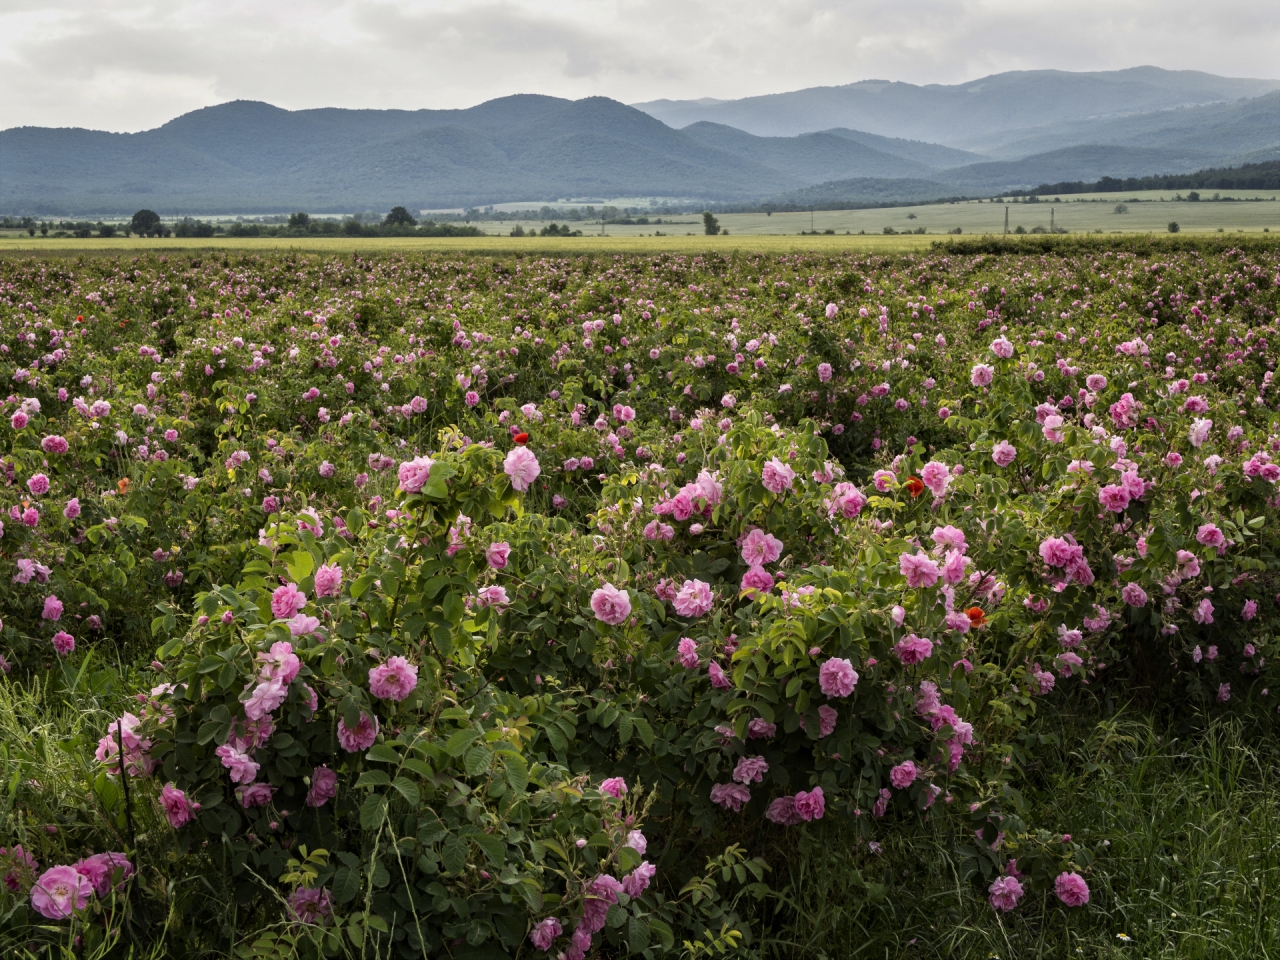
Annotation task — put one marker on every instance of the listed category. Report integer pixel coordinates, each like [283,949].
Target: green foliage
[250,445]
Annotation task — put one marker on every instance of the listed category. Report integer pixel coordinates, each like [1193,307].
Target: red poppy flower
[521,438]
[915,486]
[977,617]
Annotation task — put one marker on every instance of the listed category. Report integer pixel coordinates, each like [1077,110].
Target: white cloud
[133,64]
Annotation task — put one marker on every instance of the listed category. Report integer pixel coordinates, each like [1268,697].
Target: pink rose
[1004,893]
[59,892]
[731,796]
[324,786]
[693,599]
[810,805]
[760,548]
[413,474]
[757,579]
[913,650]
[1004,453]
[614,787]
[777,476]
[919,570]
[750,770]
[176,806]
[497,553]
[329,580]
[362,737]
[611,605]
[1071,889]
[393,680]
[903,775]
[287,600]
[522,467]
[837,678]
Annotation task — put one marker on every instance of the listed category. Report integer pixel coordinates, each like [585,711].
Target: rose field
[431,604]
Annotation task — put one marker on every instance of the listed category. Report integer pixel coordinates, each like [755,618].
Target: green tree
[1173,226]
[299,221]
[710,224]
[145,223]
[399,217]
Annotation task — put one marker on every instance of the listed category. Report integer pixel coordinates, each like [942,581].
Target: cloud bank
[131,65]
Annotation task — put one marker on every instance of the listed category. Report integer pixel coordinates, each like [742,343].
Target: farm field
[776,233]
[596,597]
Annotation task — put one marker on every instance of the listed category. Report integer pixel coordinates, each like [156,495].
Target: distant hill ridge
[252,157]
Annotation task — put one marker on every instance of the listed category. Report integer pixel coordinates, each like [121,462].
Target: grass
[1184,816]
[1187,829]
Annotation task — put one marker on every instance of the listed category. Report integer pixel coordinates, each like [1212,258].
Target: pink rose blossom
[751,770]
[544,935]
[522,467]
[936,477]
[693,599]
[287,600]
[496,555]
[59,892]
[1004,453]
[52,608]
[760,548]
[688,653]
[919,570]
[757,579]
[413,474]
[324,786]
[614,787]
[731,796]
[903,775]
[176,806]
[1071,889]
[777,476]
[1209,535]
[912,650]
[362,737]
[611,605]
[64,643]
[719,680]
[810,805]
[837,678]
[1004,893]
[329,580]
[393,680]
[242,768]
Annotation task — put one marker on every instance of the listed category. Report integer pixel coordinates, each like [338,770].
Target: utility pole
[1051,210]
[1006,219]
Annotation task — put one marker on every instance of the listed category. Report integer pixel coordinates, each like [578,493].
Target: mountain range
[883,141]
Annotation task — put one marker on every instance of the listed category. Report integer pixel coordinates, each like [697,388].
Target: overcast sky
[128,65]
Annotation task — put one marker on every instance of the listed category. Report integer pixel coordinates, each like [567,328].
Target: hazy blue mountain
[245,157]
[1223,129]
[930,154]
[248,157]
[812,157]
[1088,162]
[964,113]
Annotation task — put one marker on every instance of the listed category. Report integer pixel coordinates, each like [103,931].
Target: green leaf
[453,608]
[372,811]
[459,742]
[662,932]
[420,767]
[453,853]
[407,789]
[637,935]
[628,860]
[361,585]
[644,729]
[373,778]
[300,565]
[517,771]
[494,848]
[382,753]
[346,884]
[478,760]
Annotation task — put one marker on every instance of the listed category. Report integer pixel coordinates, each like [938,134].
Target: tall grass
[1185,817]
[1186,823]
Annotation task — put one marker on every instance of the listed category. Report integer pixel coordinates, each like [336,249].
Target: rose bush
[472,609]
